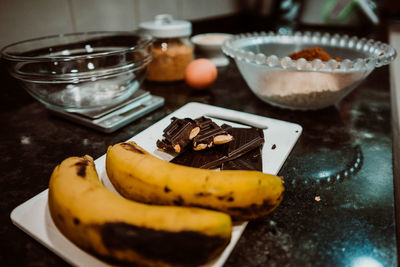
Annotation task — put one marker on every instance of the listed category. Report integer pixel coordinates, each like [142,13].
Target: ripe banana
[113,227]
[140,176]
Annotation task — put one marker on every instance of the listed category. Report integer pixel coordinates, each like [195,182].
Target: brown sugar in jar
[172,50]
[170,59]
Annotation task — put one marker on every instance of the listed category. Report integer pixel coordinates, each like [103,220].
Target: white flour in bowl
[305,90]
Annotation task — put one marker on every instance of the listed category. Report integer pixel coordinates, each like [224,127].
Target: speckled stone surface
[346,219]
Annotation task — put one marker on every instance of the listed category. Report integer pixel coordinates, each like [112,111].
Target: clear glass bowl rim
[147,40]
[316,38]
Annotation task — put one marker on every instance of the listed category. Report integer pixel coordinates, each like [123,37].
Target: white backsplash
[23,19]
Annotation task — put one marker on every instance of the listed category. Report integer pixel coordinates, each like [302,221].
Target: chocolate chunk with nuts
[242,153]
[204,159]
[178,134]
[210,134]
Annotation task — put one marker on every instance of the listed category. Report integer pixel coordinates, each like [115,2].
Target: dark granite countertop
[346,221]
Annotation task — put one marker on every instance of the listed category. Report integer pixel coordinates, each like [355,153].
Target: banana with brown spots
[115,228]
[140,176]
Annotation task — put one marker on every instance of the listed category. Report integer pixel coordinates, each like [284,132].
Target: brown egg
[201,73]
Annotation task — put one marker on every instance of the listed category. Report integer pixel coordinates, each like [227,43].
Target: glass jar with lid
[172,50]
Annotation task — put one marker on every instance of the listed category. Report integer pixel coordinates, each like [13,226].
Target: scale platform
[110,119]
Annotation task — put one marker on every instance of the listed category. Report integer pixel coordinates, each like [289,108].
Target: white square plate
[34,218]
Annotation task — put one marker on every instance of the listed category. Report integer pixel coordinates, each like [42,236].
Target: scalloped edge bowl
[300,84]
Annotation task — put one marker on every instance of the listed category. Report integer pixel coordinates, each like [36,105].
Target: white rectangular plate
[34,218]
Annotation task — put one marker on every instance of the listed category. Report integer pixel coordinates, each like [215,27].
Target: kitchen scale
[112,118]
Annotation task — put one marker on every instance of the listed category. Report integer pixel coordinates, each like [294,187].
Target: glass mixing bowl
[80,71]
[262,59]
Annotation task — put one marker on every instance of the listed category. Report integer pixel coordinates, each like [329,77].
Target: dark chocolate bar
[210,134]
[178,134]
[204,159]
[245,140]
[249,161]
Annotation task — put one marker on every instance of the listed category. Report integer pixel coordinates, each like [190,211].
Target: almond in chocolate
[242,153]
[178,135]
[210,134]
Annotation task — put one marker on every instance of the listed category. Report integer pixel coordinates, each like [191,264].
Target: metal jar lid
[164,26]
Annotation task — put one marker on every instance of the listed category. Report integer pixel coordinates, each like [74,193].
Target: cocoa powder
[313,53]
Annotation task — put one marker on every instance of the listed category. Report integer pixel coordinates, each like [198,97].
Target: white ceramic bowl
[209,45]
[262,59]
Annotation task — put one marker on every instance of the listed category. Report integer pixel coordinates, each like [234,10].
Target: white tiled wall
[23,19]
[206,8]
[147,9]
[94,15]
